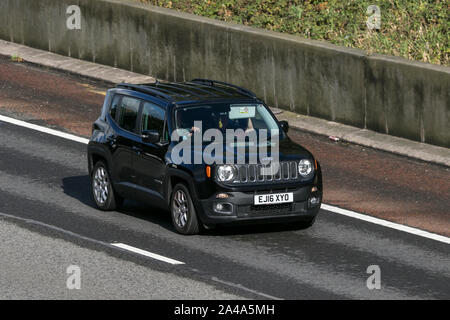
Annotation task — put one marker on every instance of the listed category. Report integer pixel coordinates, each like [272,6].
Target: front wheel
[184,217]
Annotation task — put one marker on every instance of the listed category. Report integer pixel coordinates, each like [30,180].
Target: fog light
[313,201]
[222,196]
[314,189]
[223,207]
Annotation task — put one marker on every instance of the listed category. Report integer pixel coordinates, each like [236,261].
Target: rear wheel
[184,216]
[102,190]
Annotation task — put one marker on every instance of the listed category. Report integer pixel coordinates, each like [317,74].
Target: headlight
[226,173]
[305,167]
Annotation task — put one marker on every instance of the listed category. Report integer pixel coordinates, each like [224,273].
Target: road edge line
[36,127]
[386,223]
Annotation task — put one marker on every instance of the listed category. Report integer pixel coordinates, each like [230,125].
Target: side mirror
[150,136]
[284,125]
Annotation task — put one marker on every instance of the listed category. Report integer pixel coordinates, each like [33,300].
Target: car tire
[182,211]
[104,195]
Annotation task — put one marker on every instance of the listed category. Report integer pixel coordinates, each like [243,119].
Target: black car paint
[144,171]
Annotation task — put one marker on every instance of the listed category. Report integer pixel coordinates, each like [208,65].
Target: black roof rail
[212,82]
[157,87]
[145,89]
[197,87]
[209,86]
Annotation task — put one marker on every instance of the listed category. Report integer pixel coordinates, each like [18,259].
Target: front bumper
[239,207]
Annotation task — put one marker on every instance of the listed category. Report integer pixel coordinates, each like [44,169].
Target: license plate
[274,198]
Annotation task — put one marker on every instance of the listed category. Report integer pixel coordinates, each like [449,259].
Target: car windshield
[247,117]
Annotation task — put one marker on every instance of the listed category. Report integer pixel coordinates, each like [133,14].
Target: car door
[124,113]
[148,161]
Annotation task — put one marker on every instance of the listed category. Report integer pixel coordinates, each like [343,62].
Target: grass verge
[416,30]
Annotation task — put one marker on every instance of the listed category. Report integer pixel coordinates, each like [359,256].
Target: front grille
[254,173]
[270,189]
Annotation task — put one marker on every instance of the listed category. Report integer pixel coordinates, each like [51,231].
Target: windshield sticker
[242,112]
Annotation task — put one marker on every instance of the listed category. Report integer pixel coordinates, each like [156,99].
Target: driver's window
[153,118]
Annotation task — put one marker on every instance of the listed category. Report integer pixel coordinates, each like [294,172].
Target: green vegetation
[16,58]
[413,29]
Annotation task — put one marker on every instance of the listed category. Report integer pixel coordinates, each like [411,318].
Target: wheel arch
[175,176]
[96,154]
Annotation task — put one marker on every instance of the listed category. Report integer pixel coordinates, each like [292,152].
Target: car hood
[287,151]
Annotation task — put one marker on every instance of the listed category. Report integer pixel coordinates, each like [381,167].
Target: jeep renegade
[132,150]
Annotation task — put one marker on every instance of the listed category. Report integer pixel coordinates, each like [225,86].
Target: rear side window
[153,118]
[128,115]
[115,107]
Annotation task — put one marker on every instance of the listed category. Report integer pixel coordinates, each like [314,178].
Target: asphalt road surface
[48,222]
[362,179]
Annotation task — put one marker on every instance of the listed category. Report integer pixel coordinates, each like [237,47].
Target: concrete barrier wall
[385,94]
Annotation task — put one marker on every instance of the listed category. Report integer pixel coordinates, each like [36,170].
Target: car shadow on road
[79,188]
[253,229]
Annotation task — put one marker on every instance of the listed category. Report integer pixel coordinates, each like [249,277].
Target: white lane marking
[44,129]
[78,236]
[348,213]
[146,253]
[240,286]
[386,223]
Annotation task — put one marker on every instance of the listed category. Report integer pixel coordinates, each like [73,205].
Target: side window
[166,134]
[153,118]
[114,107]
[129,110]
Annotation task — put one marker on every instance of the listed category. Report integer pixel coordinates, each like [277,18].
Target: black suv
[134,153]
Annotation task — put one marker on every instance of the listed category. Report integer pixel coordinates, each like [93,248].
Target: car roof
[197,90]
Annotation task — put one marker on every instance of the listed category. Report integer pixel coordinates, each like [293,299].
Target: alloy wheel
[101,185]
[180,208]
